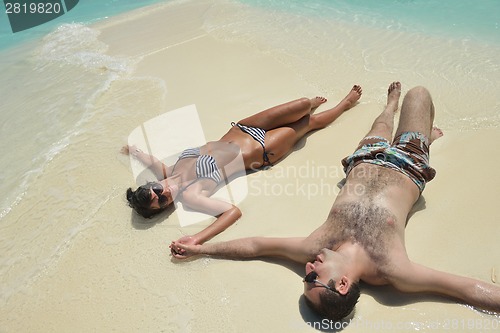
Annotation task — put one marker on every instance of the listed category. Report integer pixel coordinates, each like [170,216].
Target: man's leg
[384,123]
[417,113]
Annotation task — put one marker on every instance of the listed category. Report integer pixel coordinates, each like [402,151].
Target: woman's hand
[125,150]
[129,150]
[184,247]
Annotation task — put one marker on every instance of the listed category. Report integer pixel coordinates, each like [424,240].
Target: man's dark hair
[333,305]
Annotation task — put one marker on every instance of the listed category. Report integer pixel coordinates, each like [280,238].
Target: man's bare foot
[393,94]
[317,101]
[436,133]
[352,97]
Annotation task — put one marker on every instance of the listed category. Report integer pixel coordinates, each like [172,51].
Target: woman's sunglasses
[158,190]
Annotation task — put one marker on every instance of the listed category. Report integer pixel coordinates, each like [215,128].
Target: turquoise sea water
[86,11]
[463,19]
[467,19]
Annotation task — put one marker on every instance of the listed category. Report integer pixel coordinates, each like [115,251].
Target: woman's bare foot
[317,101]
[393,94]
[352,97]
[325,118]
[436,133]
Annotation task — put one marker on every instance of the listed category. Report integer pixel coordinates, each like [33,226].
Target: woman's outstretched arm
[159,169]
[226,213]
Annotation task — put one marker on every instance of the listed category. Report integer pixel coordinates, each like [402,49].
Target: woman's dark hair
[335,306]
[140,201]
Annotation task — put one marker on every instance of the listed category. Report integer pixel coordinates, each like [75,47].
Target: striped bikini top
[206,167]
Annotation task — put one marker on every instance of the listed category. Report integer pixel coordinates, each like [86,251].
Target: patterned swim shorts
[408,154]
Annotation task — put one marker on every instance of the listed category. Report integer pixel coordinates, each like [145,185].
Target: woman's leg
[280,141]
[291,112]
[283,114]
[323,119]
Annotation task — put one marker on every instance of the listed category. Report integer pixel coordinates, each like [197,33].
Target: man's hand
[251,247]
[185,247]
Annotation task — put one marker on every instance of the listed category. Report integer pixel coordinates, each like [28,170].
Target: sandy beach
[113,272]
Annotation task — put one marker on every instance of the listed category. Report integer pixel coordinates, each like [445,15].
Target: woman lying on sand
[261,140]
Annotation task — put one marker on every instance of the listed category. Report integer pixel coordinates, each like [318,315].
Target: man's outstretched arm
[253,247]
[418,278]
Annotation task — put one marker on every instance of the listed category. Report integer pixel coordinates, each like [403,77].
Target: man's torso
[371,210]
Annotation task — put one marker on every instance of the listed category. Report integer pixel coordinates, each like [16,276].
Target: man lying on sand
[363,236]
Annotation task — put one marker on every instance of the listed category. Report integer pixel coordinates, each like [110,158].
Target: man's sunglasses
[312,277]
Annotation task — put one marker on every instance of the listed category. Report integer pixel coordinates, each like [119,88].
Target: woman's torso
[233,154]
